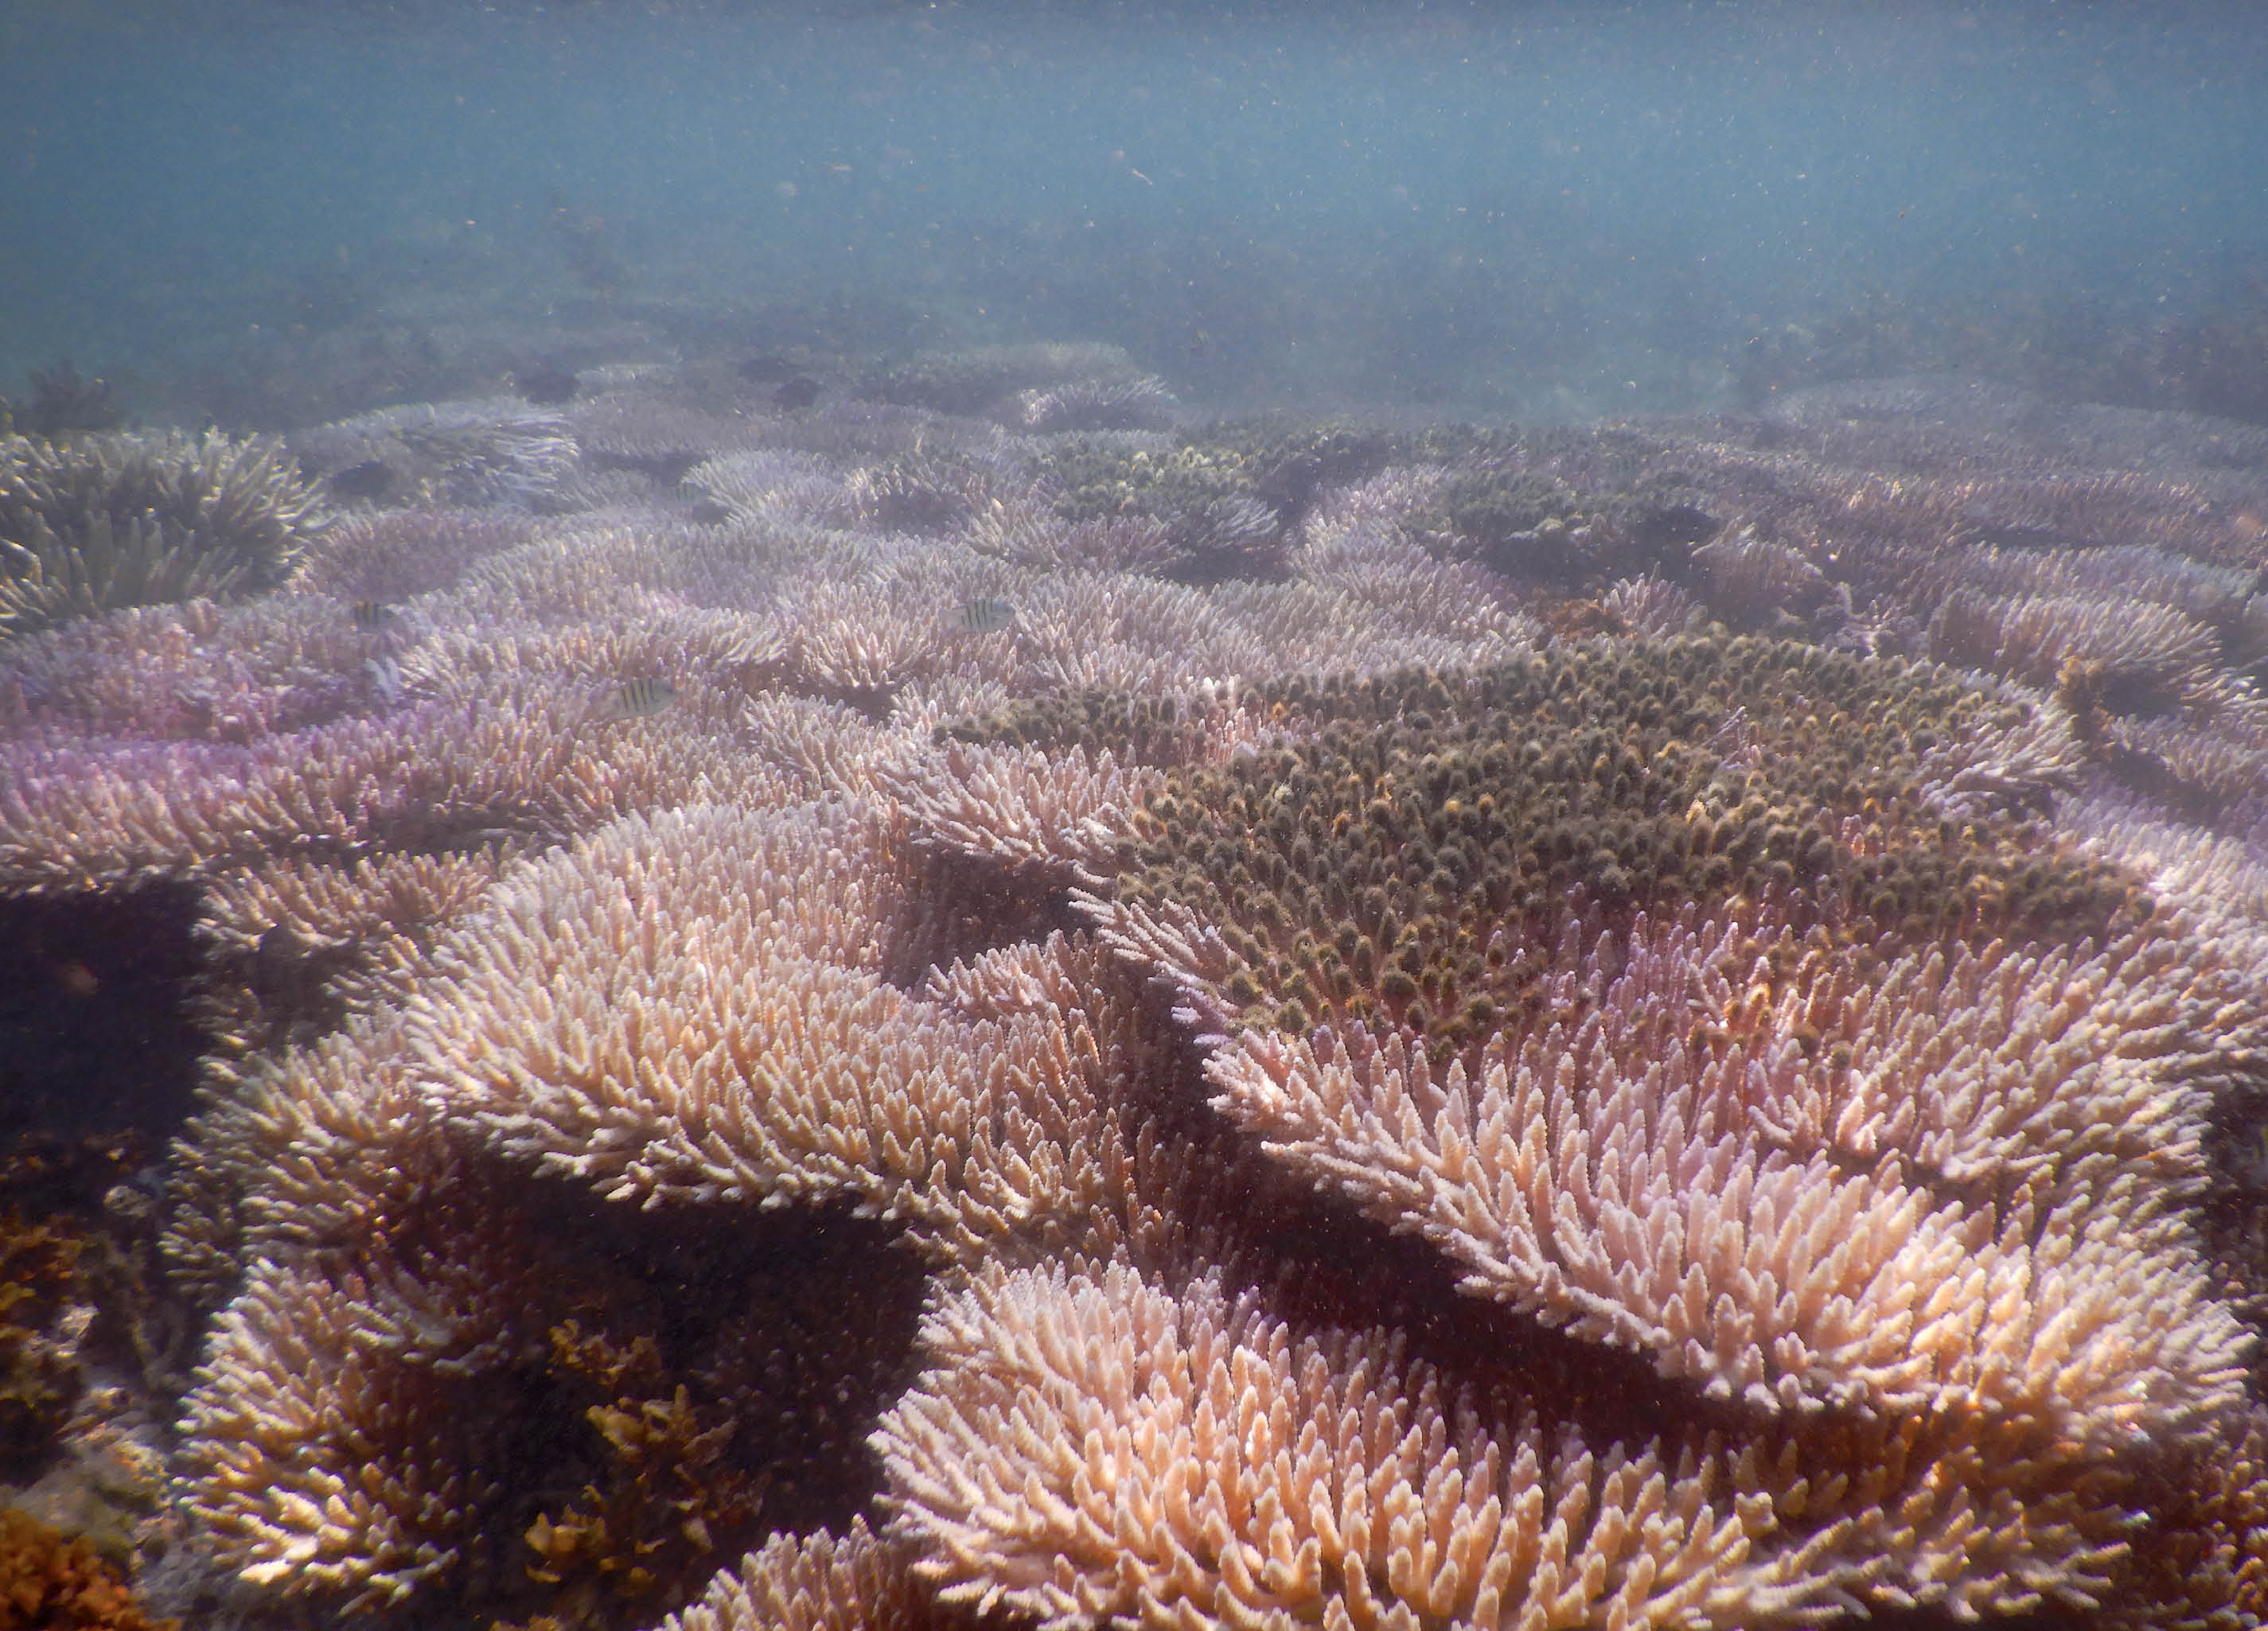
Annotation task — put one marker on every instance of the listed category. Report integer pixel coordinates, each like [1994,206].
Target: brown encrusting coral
[954,1005]
[50,1582]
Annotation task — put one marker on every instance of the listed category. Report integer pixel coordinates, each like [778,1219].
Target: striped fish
[370,616]
[636,699]
[984,617]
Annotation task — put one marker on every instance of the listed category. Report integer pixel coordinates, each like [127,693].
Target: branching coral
[1443,1089]
[104,521]
[1186,1456]
[494,452]
[657,434]
[816,1583]
[1815,1182]
[2139,660]
[977,1134]
[1142,403]
[1005,378]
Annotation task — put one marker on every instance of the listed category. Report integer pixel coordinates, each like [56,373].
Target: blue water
[1536,211]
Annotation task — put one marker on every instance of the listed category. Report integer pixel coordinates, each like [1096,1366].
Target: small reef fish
[370,616]
[78,979]
[983,617]
[636,699]
[384,677]
[279,962]
[797,392]
[372,478]
[546,385]
[766,370]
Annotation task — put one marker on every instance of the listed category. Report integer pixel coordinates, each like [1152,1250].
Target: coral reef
[64,403]
[51,1582]
[808,1582]
[1041,386]
[479,454]
[2206,354]
[1292,1022]
[94,523]
[83,1343]
[1141,403]
[39,1372]
[1226,498]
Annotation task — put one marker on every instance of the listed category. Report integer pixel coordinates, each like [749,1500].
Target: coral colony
[953,997]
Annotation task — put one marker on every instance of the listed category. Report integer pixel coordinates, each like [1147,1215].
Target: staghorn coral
[1509,1126]
[498,452]
[857,1090]
[2138,659]
[1729,1045]
[1650,606]
[1420,821]
[1141,403]
[1524,524]
[919,494]
[1228,496]
[1027,534]
[470,742]
[816,1582]
[392,554]
[101,521]
[359,1369]
[766,483]
[357,1196]
[1756,581]
[2058,1530]
[1187,1456]
[660,435]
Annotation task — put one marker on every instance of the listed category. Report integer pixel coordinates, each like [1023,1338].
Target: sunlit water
[1542,212]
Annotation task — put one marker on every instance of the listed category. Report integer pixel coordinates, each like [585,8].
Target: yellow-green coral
[1413,844]
[1278,464]
[1524,524]
[671,1493]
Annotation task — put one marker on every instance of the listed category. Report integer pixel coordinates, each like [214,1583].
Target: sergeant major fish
[641,698]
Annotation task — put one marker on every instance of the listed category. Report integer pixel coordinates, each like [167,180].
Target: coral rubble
[1246,1025]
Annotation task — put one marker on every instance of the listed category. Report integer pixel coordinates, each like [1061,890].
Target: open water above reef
[272,214]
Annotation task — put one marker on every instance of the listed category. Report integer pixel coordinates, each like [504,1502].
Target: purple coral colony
[936,993]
